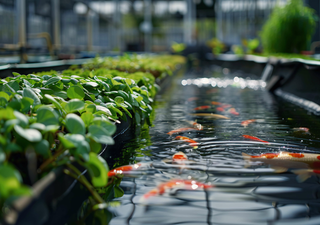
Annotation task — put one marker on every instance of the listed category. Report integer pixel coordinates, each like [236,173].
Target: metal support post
[189,23]
[116,36]
[21,12]
[56,23]
[89,29]
[147,25]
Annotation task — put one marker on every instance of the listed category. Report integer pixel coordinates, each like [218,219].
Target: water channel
[241,194]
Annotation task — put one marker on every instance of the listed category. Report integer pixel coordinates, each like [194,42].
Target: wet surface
[241,193]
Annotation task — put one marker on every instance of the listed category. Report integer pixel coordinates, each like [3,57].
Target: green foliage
[216,45]
[65,117]
[248,47]
[289,29]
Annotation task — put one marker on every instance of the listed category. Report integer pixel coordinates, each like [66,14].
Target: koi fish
[245,123]
[301,129]
[179,157]
[202,107]
[304,174]
[180,130]
[211,91]
[211,115]
[216,103]
[192,99]
[233,111]
[220,109]
[224,106]
[189,140]
[196,125]
[254,138]
[286,160]
[123,169]
[177,184]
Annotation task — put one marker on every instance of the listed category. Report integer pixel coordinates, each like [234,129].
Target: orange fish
[211,91]
[202,107]
[180,130]
[216,103]
[245,123]
[254,138]
[233,111]
[286,160]
[177,183]
[189,140]
[123,169]
[179,157]
[220,109]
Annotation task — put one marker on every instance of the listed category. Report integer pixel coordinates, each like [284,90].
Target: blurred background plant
[289,28]
[216,45]
[248,47]
[178,47]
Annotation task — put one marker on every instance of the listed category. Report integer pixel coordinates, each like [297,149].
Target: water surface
[242,195]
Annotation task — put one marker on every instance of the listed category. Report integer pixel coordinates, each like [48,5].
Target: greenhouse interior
[159,112]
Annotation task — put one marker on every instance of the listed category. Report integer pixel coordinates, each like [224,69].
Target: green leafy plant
[56,119]
[289,28]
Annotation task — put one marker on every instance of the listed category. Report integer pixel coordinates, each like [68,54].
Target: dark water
[241,195]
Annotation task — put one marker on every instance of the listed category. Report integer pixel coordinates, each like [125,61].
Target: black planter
[57,197]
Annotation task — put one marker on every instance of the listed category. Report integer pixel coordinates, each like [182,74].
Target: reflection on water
[241,193]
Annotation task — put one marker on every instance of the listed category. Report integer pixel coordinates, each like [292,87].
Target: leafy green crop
[53,119]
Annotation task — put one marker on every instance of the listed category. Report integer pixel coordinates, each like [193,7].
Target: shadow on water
[241,193]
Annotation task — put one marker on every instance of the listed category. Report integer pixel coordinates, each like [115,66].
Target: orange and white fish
[179,157]
[210,115]
[195,125]
[180,130]
[202,107]
[177,184]
[304,174]
[254,138]
[191,142]
[301,129]
[123,169]
[233,111]
[245,123]
[287,160]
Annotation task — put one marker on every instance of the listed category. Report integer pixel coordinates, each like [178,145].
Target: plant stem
[75,173]
[50,160]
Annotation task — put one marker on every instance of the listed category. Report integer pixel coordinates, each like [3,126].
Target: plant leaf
[31,135]
[47,116]
[74,124]
[87,118]
[100,135]
[98,170]
[52,80]
[42,148]
[28,92]
[75,92]
[74,105]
